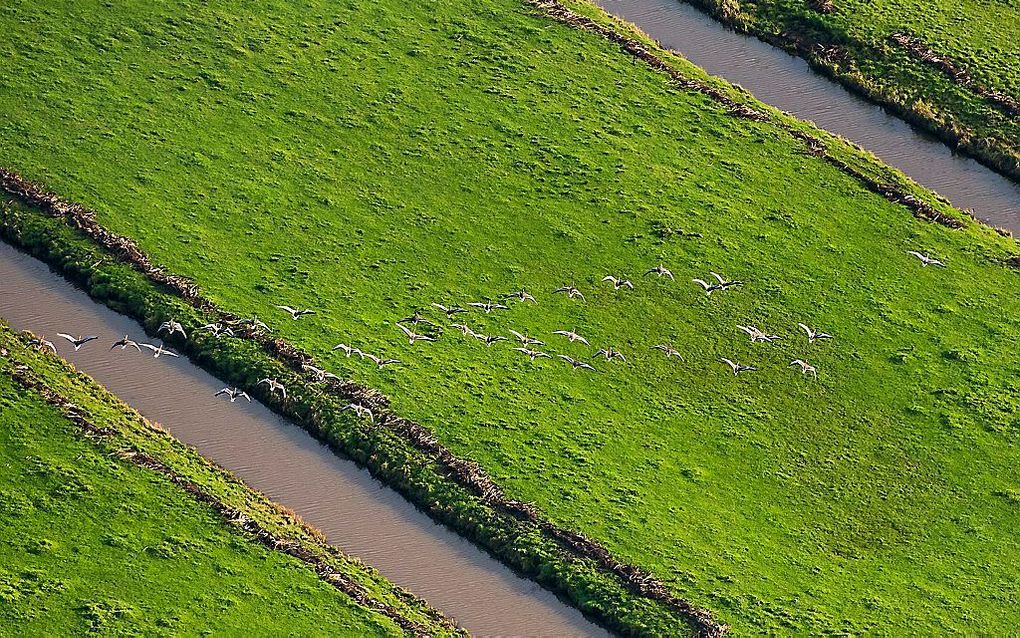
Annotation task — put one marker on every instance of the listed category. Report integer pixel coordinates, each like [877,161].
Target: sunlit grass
[366,160]
[91,544]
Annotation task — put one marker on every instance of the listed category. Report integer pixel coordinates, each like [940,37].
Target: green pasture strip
[854,45]
[392,459]
[368,160]
[92,543]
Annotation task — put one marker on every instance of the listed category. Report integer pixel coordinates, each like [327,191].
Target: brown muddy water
[356,512]
[787,82]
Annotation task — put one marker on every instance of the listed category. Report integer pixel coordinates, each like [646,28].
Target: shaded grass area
[854,44]
[366,161]
[92,543]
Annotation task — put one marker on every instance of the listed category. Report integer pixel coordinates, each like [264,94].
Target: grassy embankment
[92,541]
[951,66]
[365,164]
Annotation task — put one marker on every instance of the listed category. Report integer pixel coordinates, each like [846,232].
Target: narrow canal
[787,82]
[356,512]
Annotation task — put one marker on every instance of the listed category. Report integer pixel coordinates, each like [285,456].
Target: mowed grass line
[366,161]
[113,526]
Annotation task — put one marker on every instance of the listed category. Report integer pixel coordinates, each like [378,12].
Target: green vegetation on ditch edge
[91,542]
[949,66]
[375,159]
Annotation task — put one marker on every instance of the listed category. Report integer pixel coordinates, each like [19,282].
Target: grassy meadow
[975,35]
[93,544]
[367,160]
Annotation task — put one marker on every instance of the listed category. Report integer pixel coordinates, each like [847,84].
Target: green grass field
[368,160]
[91,544]
[978,36]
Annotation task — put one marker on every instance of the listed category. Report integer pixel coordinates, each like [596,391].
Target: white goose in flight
[125,343]
[379,361]
[525,339]
[360,410]
[488,340]
[217,330]
[295,313]
[520,295]
[610,353]
[813,335]
[274,386]
[318,374]
[78,341]
[532,354]
[416,318]
[571,292]
[575,364]
[759,335]
[348,350]
[488,306]
[572,336]
[449,310]
[158,351]
[926,260]
[668,350]
[618,283]
[465,329]
[171,327]
[736,367]
[42,343]
[660,271]
[413,336]
[234,394]
[805,367]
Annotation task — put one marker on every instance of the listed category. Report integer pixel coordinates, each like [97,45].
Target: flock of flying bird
[528,346]
[410,326]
